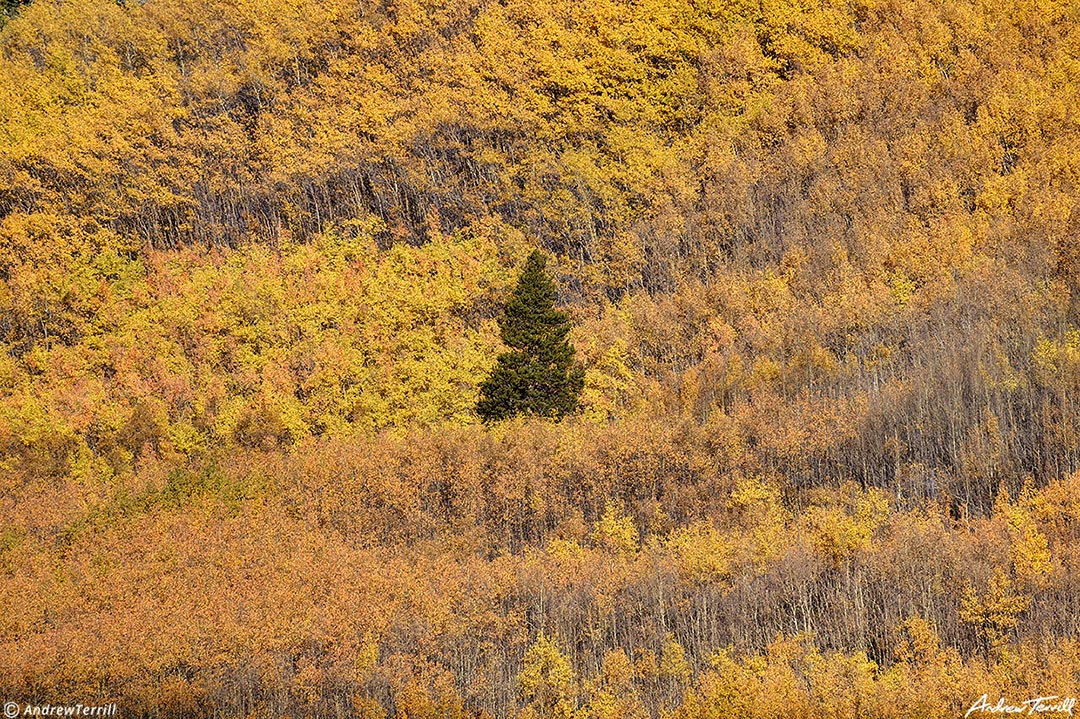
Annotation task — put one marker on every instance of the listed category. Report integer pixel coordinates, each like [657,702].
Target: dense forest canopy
[823,263]
[859,216]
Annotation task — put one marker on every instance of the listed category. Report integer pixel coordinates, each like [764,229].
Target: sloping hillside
[823,264]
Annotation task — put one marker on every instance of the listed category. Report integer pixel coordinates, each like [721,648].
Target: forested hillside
[822,258]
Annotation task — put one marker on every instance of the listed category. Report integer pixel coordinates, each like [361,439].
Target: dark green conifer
[538,376]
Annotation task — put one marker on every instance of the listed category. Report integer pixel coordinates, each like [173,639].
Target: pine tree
[538,376]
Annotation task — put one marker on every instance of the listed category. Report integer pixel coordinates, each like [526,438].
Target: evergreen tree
[538,376]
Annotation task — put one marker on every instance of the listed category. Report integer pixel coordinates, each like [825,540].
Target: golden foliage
[822,260]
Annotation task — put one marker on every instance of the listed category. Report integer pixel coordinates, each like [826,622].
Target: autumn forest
[821,264]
